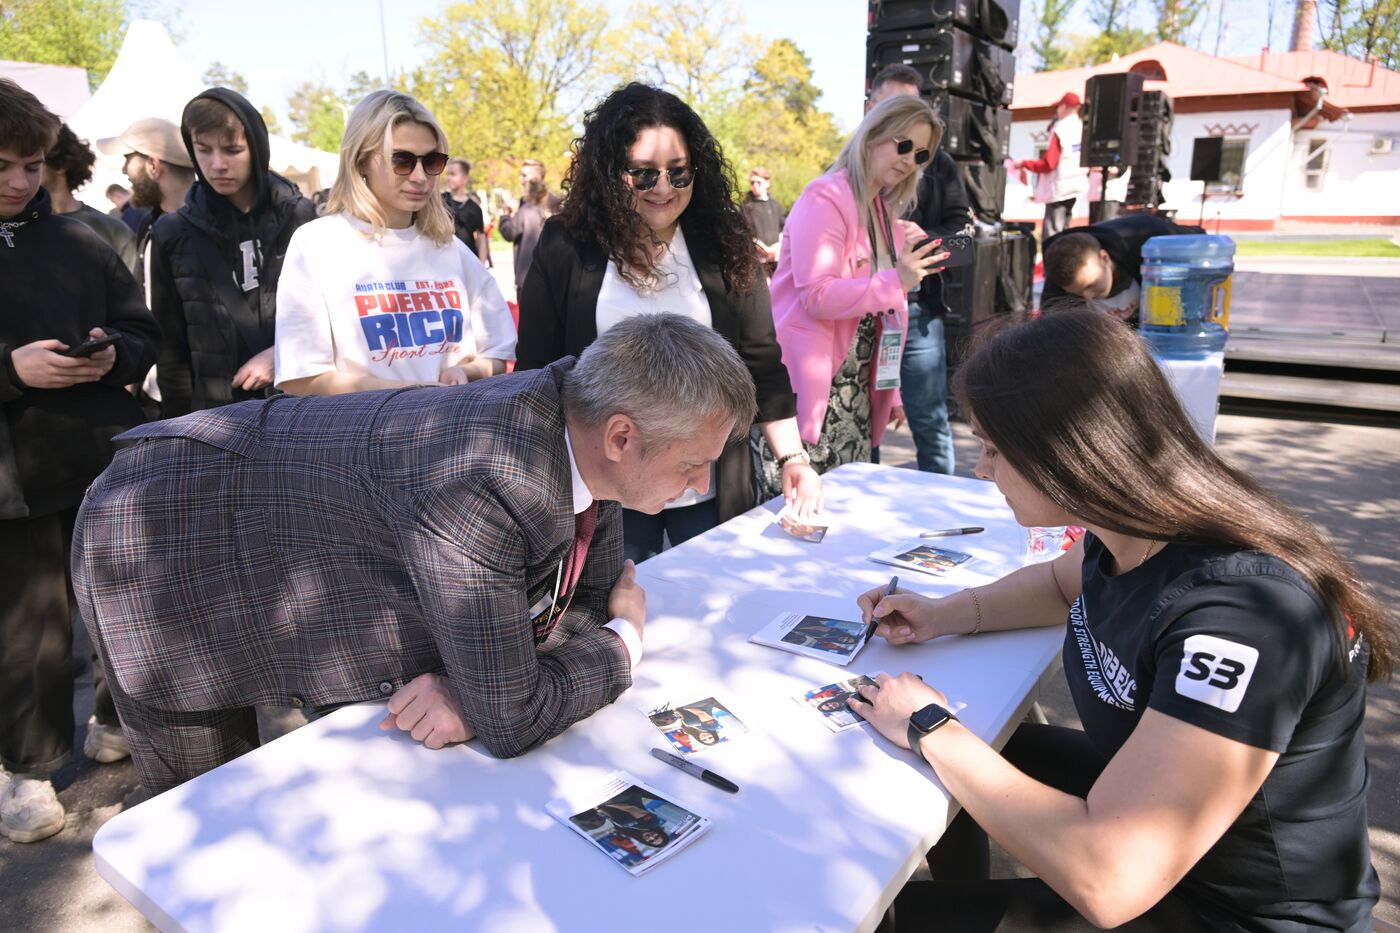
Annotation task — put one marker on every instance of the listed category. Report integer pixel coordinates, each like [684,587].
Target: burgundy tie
[584,524]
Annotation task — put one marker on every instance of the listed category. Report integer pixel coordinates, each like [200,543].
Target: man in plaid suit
[322,551]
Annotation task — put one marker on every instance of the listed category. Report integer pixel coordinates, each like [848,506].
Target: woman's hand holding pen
[903,617]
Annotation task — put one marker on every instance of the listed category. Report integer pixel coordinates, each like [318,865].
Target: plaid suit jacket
[328,550]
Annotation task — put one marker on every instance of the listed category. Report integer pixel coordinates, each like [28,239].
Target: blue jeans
[642,534]
[923,384]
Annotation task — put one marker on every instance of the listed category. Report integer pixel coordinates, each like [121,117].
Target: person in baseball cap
[1060,179]
[161,173]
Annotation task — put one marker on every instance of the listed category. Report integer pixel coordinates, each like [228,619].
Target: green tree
[1082,51]
[317,115]
[508,78]
[775,122]
[1368,31]
[695,50]
[273,125]
[220,75]
[1175,17]
[85,33]
[1049,48]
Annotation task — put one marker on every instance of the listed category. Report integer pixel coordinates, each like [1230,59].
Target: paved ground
[1345,477]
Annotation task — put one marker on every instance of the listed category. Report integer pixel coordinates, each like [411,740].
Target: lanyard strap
[889,236]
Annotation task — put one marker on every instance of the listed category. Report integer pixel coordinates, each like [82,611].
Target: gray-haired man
[321,551]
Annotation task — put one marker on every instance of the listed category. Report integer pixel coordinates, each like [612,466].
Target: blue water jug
[1186,294]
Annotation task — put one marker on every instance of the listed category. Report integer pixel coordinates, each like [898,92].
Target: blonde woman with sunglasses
[839,302]
[379,293]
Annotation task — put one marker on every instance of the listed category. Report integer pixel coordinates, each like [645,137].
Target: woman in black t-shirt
[1217,651]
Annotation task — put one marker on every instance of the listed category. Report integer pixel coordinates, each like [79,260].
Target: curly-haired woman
[649,225]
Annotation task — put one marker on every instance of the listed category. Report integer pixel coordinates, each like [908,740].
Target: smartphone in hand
[91,345]
[961,249]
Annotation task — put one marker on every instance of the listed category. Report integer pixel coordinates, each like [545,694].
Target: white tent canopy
[151,79]
[61,88]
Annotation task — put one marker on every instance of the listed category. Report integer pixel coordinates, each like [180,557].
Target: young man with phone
[941,211]
[216,261]
[63,286]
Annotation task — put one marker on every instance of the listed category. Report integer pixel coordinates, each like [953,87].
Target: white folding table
[340,827]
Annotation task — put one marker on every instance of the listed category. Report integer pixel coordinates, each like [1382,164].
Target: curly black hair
[599,207]
[71,156]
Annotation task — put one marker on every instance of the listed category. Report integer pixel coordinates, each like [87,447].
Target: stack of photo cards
[937,561]
[636,826]
[833,640]
[829,702]
[811,529]
[697,725]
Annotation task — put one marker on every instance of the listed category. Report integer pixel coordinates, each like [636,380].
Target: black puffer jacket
[212,327]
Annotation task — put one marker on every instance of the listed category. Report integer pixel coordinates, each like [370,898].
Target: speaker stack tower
[962,51]
[1128,128]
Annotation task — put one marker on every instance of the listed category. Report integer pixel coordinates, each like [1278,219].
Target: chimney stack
[1303,17]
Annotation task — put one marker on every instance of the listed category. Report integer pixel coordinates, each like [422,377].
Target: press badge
[887,360]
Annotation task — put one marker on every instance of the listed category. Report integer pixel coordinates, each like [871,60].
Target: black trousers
[36,645]
[963,900]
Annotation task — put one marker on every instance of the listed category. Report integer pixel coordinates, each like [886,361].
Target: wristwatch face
[929,718]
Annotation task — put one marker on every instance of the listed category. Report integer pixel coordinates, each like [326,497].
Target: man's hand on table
[425,708]
[628,600]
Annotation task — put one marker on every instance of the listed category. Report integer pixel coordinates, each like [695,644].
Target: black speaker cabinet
[995,20]
[1205,158]
[971,291]
[1110,130]
[986,188]
[941,56]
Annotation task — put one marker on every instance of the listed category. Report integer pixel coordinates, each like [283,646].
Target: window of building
[1315,168]
[1232,153]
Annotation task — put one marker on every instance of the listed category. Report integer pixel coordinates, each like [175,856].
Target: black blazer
[559,317]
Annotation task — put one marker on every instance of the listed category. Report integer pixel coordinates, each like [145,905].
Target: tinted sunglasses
[405,162]
[905,146]
[644,179]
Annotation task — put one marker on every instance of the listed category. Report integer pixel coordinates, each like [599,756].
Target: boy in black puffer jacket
[216,261]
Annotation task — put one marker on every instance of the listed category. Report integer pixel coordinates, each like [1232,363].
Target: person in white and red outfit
[1060,179]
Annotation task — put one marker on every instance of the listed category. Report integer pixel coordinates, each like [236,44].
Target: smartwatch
[924,721]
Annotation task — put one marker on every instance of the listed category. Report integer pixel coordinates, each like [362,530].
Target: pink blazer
[822,288]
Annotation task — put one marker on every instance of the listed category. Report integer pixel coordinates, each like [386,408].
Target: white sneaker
[104,744]
[29,809]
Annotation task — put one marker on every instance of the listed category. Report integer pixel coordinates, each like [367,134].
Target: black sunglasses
[644,179]
[905,146]
[405,162]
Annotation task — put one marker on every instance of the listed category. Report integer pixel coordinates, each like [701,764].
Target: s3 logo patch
[1216,671]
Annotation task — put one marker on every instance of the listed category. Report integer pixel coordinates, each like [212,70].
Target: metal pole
[384,42]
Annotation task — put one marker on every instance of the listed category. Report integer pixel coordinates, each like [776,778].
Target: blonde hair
[370,130]
[892,117]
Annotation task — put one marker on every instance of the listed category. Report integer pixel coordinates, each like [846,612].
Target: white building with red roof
[1290,153]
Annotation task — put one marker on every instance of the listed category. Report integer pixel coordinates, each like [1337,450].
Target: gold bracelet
[977,606]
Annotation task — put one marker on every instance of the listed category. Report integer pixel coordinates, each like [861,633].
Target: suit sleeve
[471,586]
[128,315]
[950,194]
[542,303]
[173,372]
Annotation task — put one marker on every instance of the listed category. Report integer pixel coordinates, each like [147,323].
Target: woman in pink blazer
[841,283]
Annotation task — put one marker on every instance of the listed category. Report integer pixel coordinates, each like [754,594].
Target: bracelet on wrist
[800,455]
[977,607]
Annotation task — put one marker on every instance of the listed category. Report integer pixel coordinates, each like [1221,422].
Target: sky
[277,45]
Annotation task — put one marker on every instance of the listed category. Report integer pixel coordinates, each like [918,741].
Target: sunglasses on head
[644,179]
[404,162]
[905,146]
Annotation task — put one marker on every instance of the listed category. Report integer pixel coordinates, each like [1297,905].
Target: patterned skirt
[845,434]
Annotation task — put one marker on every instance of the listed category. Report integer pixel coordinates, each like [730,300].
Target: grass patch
[1344,248]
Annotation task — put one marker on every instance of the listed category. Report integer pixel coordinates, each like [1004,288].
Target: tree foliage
[1176,17]
[1368,31]
[1050,52]
[317,114]
[85,33]
[220,75]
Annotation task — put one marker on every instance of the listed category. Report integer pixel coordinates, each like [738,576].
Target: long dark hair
[1077,405]
[599,207]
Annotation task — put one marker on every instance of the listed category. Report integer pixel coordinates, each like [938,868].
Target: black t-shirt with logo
[1237,643]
